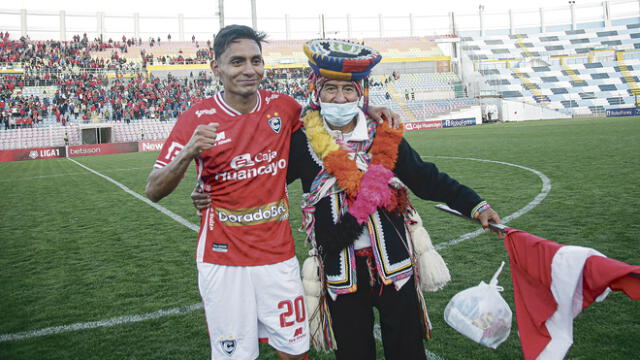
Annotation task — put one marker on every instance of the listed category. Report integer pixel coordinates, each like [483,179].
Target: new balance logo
[221,139]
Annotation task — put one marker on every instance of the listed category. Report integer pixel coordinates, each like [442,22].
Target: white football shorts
[245,303]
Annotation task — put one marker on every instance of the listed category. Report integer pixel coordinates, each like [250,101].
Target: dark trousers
[400,320]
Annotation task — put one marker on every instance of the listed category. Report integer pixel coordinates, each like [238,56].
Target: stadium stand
[585,71]
[421,96]
[52,88]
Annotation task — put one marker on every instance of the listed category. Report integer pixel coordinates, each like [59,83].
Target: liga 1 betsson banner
[101,149]
[32,154]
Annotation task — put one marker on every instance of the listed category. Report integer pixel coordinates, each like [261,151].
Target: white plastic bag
[480,313]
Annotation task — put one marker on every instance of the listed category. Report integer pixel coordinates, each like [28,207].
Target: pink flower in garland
[374,193]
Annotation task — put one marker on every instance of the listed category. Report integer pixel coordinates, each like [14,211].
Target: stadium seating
[25,138]
[583,72]
[97,86]
[421,96]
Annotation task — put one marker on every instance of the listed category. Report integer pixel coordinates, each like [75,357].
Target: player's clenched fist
[202,139]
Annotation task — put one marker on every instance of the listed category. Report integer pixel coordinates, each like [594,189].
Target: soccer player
[248,274]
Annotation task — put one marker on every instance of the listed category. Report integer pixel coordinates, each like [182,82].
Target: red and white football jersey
[245,172]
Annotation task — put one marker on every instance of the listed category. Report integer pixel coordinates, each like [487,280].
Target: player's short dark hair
[231,33]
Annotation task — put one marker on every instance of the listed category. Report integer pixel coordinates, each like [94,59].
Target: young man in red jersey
[248,274]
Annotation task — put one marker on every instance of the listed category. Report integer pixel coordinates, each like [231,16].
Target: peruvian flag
[553,283]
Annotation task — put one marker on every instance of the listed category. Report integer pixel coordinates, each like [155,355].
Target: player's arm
[381,113]
[161,182]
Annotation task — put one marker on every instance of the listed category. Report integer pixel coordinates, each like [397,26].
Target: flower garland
[369,190]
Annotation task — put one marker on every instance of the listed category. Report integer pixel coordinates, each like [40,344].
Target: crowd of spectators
[52,55]
[289,81]
[89,97]
[76,93]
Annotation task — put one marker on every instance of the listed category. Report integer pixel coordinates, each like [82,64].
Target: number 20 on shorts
[292,310]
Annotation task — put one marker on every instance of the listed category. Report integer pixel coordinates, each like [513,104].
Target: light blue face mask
[339,115]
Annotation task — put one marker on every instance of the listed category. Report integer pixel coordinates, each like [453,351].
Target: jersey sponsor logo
[275,122]
[223,248]
[221,139]
[244,174]
[206,112]
[228,346]
[262,163]
[174,149]
[275,211]
[271,97]
[241,161]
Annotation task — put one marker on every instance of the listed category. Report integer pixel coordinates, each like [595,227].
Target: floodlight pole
[221,12]
[254,16]
[572,7]
[481,15]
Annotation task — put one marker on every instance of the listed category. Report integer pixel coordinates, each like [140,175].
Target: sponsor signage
[437,124]
[97,149]
[458,122]
[32,154]
[150,145]
[422,125]
[102,149]
[623,112]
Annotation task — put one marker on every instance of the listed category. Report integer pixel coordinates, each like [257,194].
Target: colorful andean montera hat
[340,60]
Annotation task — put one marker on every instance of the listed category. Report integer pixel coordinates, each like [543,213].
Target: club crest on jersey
[228,346]
[275,123]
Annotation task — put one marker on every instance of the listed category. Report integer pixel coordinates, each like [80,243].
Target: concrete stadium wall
[521,111]
[470,112]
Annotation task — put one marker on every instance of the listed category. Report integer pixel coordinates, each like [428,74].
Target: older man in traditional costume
[355,173]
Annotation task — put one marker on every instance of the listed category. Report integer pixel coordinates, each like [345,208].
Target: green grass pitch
[75,248]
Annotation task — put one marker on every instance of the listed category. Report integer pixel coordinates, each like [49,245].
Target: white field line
[180,310]
[546,188]
[68,174]
[160,208]
[102,323]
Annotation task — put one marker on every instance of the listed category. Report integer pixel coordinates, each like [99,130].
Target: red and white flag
[553,283]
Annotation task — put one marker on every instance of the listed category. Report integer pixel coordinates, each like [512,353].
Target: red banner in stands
[422,125]
[31,154]
[102,149]
[150,145]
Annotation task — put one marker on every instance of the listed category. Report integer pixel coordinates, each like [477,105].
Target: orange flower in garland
[384,150]
[345,170]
